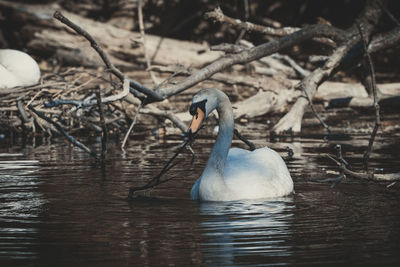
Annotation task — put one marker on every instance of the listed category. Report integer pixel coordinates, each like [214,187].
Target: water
[59,209]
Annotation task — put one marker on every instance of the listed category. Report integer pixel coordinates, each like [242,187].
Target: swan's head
[203,103]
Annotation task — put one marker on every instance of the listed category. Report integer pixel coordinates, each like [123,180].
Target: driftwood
[367,21]
[52,37]
[335,94]
[293,119]
[112,46]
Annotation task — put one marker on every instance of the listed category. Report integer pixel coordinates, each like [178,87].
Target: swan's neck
[219,152]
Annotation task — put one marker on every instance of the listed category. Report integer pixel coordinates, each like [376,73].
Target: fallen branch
[366,176]
[105,58]
[157,179]
[291,122]
[70,138]
[218,15]
[252,54]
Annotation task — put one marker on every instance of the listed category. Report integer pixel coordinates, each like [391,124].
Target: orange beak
[196,121]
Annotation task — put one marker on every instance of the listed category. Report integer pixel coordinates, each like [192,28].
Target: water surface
[57,208]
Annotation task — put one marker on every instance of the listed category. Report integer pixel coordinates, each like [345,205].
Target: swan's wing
[8,80]
[261,171]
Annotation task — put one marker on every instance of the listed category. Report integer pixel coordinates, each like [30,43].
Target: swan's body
[17,69]
[232,174]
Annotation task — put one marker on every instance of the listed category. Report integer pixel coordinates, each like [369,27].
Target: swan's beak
[196,121]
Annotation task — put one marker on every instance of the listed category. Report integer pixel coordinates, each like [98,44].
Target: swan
[234,174]
[17,69]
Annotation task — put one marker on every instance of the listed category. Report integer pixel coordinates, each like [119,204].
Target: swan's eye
[194,106]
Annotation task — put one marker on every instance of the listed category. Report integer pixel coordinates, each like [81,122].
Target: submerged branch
[157,179]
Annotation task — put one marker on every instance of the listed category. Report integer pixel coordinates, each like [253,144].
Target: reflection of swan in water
[236,173]
[246,228]
[17,69]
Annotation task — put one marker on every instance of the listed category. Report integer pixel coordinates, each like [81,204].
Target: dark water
[58,209]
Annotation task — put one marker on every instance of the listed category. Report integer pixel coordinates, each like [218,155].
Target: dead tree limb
[218,65]
[218,15]
[252,54]
[137,86]
[366,176]
[368,18]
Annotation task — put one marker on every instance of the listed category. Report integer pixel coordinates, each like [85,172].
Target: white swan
[17,69]
[239,174]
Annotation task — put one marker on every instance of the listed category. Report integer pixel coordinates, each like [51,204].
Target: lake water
[57,208]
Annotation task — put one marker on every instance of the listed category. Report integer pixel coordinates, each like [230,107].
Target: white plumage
[233,174]
[17,69]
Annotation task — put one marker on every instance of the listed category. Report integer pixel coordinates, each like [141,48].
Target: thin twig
[376,105]
[366,176]
[343,164]
[131,127]
[157,179]
[314,111]
[104,138]
[246,17]
[390,15]
[139,87]
[143,39]
[218,15]
[244,139]
[88,103]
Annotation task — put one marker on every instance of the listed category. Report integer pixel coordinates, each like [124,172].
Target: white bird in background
[17,69]
[233,174]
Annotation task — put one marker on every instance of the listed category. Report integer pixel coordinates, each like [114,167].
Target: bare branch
[244,140]
[252,54]
[131,127]
[153,95]
[368,19]
[376,105]
[157,179]
[218,15]
[70,138]
[143,39]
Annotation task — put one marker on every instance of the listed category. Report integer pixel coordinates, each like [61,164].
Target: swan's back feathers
[17,69]
[257,174]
